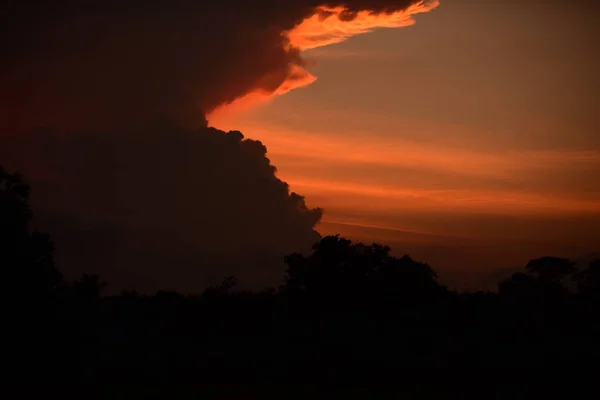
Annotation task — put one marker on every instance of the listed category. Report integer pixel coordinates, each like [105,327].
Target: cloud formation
[162,206]
[67,63]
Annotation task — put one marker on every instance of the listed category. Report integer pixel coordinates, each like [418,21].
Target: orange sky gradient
[438,131]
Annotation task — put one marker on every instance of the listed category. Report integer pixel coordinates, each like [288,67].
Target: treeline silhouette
[345,313]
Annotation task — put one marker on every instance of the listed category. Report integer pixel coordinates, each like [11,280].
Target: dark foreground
[349,321]
[387,329]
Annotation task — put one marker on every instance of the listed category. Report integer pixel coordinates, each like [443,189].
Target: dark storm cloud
[162,206]
[145,204]
[70,62]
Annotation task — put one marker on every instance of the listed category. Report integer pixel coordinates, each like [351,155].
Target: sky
[171,143]
[470,139]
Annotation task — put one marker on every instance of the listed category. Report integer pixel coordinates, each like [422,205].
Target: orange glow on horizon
[301,157]
[471,200]
[363,148]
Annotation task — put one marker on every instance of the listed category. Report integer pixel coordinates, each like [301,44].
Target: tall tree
[25,256]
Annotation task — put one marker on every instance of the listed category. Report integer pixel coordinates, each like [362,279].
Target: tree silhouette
[90,286]
[15,212]
[588,280]
[337,267]
[550,269]
[25,256]
[346,311]
[29,282]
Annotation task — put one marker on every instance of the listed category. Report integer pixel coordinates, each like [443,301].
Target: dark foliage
[347,314]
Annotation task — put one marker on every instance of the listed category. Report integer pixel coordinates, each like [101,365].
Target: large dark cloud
[72,62]
[162,206]
[144,203]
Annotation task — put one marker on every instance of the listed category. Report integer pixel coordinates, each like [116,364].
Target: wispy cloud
[366,148]
[338,53]
[468,200]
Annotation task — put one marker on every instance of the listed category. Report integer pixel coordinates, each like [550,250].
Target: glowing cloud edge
[325,27]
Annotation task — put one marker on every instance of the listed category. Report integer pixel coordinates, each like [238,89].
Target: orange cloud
[327,26]
[297,77]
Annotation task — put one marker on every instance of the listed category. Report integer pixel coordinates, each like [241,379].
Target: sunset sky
[463,133]
[472,131]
